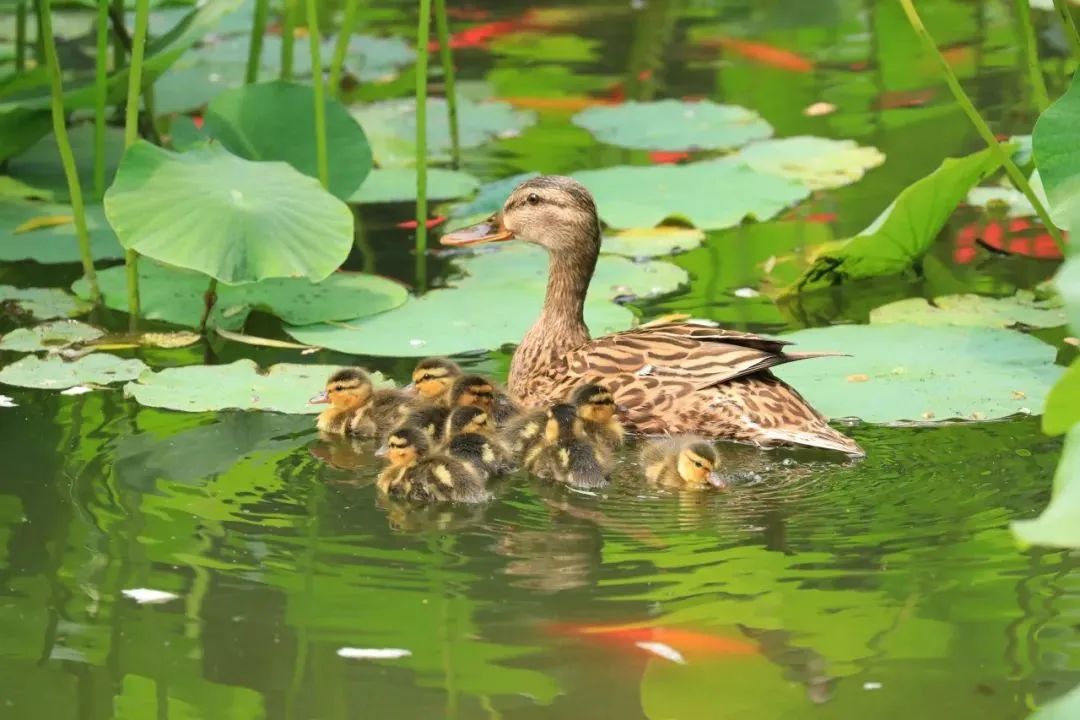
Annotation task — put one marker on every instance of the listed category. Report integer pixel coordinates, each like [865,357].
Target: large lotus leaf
[53,243]
[674,125]
[176,296]
[651,242]
[285,387]
[41,303]
[546,47]
[495,305]
[50,335]
[391,127]
[1063,405]
[903,233]
[39,166]
[819,163]
[701,193]
[276,121]
[973,311]
[189,85]
[1059,524]
[55,373]
[399,185]
[233,219]
[917,373]
[1056,142]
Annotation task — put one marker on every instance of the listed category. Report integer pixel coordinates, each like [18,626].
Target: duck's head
[346,389]
[404,446]
[433,377]
[697,464]
[554,211]
[594,403]
[468,419]
[475,390]
[562,423]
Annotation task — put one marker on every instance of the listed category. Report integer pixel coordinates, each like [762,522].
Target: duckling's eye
[533,199]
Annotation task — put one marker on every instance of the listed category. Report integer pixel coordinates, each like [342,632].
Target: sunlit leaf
[819,163]
[41,303]
[1063,404]
[674,125]
[518,85]
[54,373]
[48,336]
[399,185]
[1056,142]
[973,311]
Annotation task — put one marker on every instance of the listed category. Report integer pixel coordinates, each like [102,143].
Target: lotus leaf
[399,185]
[701,193]
[233,219]
[491,196]
[1056,142]
[916,373]
[20,129]
[494,305]
[1059,524]
[276,121]
[55,244]
[819,163]
[651,242]
[39,166]
[545,47]
[1063,405]
[674,125]
[557,82]
[191,84]
[41,303]
[55,373]
[48,336]
[176,296]
[391,127]
[973,311]
[285,387]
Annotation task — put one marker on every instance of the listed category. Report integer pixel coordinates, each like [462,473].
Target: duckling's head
[346,389]
[404,446]
[594,403]
[468,419]
[474,390]
[433,377]
[554,211]
[562,423]
[697,463]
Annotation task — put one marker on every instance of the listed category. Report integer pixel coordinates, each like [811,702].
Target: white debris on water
[663,650]
[148,596]
[373,653]
[5,401]
[77,390]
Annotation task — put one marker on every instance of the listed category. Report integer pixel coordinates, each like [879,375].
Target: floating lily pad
[285,387]
[819,163]
[645,196]
[41,303]
[674,125]
[546,47]
[1057,153]
[973,311]
[491,196]
[651,242]
[917,373]
[176,296]
[233,219]
[494,305]
[48,336]
[564,86]
[56,244]
[399,185]
[191,84]
[40,165]
[54,373]
[276,121]
[391,127]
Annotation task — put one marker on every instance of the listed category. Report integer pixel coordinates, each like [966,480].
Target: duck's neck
[561,325]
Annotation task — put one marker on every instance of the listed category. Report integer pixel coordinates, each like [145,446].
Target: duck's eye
[533,199]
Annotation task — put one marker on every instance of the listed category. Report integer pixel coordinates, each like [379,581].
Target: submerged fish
[676,642]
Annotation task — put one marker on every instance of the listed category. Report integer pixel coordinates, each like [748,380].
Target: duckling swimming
[357,408]
[596,408]
[470,436]
[567,455]
[432,379]
[415,473]
[431,419]
[479,391]
[682,462]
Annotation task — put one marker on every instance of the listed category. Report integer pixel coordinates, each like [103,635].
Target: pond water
[815,587]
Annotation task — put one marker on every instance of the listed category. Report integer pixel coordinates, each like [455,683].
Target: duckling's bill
[321,399]
[490,230]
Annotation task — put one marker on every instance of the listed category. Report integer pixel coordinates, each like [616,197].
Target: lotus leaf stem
[131,135]
[1067,19]
[442,29]
[288,39]
[981,127]
[20,35]
[423,32]
[63,144]
[209,300]
[1031,55]
[101,91]
[341,47]
[39,38]
[120,50]
[321,159]
[258,29]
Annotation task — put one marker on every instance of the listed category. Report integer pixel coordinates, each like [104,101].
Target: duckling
[470,436]
[431,419]
[356,408]
[682,462]
[596,408]
[567,455]
[432,379]
[523,435]
[414,472]
[479,391]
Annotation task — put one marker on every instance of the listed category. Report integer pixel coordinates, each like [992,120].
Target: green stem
[39,38]
[981,127]
[63,144]
[442,30]
[1071,33]
[119,51]
[209,300]
[288,39]
[101,76]
[422,34]
[321,159]
[20,35]
[1031,55]
[131,135]
[341,47]
[258,29]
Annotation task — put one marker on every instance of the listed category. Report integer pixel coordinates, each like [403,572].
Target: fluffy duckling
[596,408]
[682,462]
[523,436]
[567,455]
[479,391]
[470,436]
[432,379]
[415,473]
[431,419]
[357,408]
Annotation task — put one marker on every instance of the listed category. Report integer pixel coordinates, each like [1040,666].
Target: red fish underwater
[675,644]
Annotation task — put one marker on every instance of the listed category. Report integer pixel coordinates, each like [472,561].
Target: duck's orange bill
[490,230]
[320,399]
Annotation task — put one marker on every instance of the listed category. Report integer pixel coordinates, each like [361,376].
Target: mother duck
[666,378]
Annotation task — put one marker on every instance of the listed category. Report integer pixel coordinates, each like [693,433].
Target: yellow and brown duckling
[470,436]
[416,473]
[357,408]
[567,455]
[596,408]
[682,462]
[432,378]
[478,391]
[431,419]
